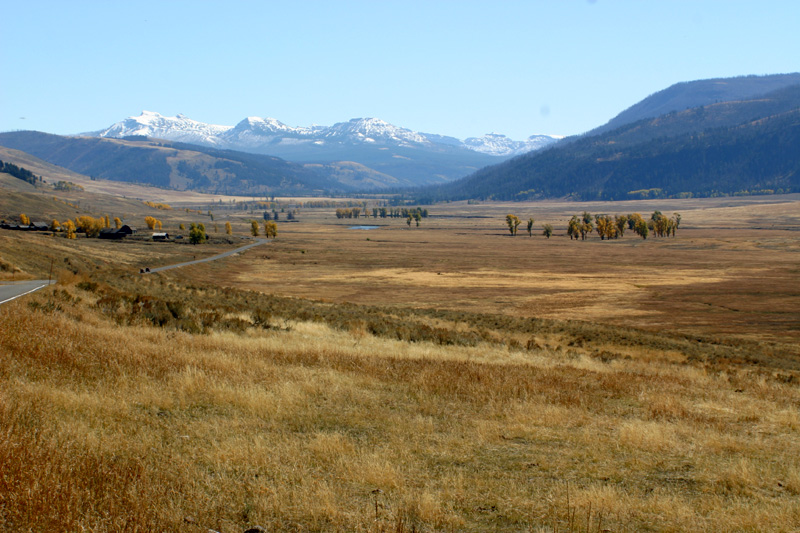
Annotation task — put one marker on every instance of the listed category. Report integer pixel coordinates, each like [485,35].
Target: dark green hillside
[732,148]
[166,164]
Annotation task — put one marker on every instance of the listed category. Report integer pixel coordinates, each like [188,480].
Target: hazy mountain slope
[699,93]
[172,165]
[720,148]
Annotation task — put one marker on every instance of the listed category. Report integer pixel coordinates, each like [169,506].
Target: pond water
[363,227]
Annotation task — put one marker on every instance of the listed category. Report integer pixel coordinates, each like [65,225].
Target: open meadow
[441,377]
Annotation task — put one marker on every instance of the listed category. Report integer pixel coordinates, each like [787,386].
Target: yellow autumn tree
[90,225]
[228,228]
[270,229]
[513,223]
[69,229]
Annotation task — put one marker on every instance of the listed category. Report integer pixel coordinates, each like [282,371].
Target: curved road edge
[229,253]
[14,290]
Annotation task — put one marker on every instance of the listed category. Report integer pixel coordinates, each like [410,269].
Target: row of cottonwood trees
[91,226]
[606,226]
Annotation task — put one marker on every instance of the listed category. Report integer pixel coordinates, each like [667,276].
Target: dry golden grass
[133,427]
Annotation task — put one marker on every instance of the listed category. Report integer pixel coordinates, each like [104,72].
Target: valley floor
[447,377]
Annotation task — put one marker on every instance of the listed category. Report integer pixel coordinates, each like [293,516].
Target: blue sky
[460,68]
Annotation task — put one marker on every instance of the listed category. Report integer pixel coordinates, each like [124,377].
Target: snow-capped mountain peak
[373,130]
[177,128]
[263,134]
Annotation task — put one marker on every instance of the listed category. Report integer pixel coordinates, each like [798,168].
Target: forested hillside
[745,147]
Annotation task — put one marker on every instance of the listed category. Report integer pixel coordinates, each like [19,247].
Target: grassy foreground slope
[147,403]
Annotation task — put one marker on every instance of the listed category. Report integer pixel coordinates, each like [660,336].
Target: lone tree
[152,222]
[228,228]
[547,230]
[574,228]
[530,227]
[69,229]
[513,222]
[270,229]
[196,235]
[254,228]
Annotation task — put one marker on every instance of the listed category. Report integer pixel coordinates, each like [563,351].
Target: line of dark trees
[21,173]
[383,212]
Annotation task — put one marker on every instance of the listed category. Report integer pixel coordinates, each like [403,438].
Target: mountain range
[399,157]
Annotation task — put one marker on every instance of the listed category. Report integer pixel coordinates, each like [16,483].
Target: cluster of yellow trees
[90,225]
[270,229]
[580,226]
[152,222]
[155,205]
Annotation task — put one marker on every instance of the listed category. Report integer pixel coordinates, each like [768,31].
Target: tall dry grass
[125,425]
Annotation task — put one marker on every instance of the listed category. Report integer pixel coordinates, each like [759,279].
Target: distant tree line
[415,213]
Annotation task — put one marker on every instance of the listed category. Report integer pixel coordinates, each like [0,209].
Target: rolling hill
[174,165]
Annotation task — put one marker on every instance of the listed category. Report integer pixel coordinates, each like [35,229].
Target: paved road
[258,242]
[14,289]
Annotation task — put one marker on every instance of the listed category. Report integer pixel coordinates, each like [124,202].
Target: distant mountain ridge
[691,94]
